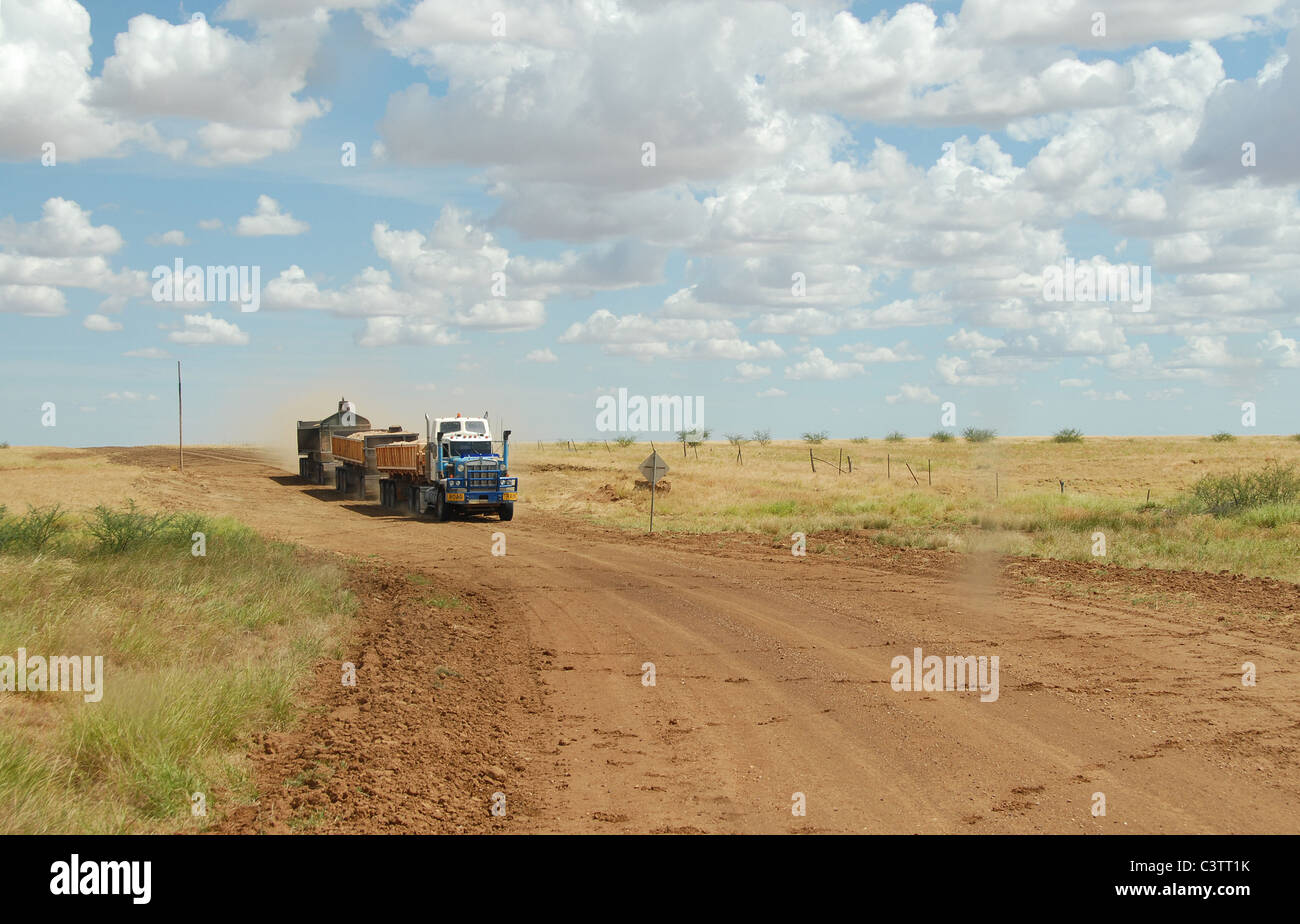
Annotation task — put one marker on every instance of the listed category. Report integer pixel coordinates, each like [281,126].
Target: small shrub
[978,435]
[33,531]
[1223,495]
[735,439]
[762,437]
[816,437]
[858,439]
[624,441]
[1223,436]
[895,436]
[1068,435]
[942,436]
[120,530]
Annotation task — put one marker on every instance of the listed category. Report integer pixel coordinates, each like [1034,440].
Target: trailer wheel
[338,479]
[441,512]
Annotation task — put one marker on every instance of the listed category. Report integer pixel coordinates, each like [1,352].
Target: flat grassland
[1003,496]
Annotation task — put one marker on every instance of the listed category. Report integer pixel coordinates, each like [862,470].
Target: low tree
[762,437]
[816,437]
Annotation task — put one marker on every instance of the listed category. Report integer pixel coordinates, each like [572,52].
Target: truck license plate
[510,496]
[456,496]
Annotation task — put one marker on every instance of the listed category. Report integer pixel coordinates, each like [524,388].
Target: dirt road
[772,679]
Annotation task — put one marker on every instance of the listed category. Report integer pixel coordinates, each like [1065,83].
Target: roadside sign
[654,468]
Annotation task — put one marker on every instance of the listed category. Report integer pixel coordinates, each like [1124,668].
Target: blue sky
[521,154]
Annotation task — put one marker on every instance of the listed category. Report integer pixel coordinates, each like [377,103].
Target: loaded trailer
[316,461]
[453,470]
[357,471]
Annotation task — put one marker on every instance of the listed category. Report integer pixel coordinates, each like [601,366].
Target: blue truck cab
[470,476]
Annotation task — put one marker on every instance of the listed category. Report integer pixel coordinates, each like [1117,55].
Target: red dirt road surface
[772,678]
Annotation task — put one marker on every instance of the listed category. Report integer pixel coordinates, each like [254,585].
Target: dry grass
[775,492]
[198,652]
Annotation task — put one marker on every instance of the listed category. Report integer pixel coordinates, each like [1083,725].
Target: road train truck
[454,469]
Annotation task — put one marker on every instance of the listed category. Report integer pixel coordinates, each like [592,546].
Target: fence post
[886,466]
[810,460]
[928,479]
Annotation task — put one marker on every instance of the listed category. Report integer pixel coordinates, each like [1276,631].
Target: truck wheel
[338,479]
[441,512]
[506,512]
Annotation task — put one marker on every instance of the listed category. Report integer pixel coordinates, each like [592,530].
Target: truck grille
[481,476]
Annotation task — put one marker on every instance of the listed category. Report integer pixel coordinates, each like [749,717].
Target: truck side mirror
[505,437]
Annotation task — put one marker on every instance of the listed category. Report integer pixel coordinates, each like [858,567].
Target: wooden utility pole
[180,417]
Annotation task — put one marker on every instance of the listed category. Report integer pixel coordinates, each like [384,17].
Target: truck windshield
[475,426]
[457,448]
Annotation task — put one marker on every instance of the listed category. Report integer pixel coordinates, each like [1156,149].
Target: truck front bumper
[476,498]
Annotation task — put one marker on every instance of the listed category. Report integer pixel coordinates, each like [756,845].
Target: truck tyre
[506,512]
[441,512]
[338,479]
